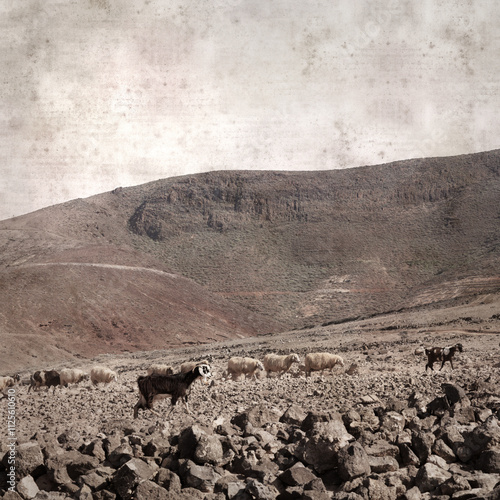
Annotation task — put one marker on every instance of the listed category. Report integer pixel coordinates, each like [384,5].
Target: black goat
[49,379]
[442,354]
[176,386]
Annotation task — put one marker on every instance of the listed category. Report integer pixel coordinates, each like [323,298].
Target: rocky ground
[380,427]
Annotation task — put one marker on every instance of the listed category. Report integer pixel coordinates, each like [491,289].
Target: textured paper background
[97,94]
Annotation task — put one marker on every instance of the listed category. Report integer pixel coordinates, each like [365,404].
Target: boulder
[441,449]
[353,462]
[258,416]
[120,455]
[27,487]
[94,480]
[454,484]
[294,415]
[169,480]
[380,465]
[489,461]
[485,436]
[201,477]
[156,447]
[262,469]
[392,423]
[84,493]
[298,475]
[258,490]
[413,494]
[382,448]
[198,445]
[317,452]
[455,394]
[208,450]
[12,495]
[78,464]
[376,489]
[94,449]
[29,460]
[430,477]
[129,475]
[422,444]
[148,490]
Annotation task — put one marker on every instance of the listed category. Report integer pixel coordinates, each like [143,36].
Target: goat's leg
[149,406]
[185,401]
[174,401]
[140,404]
[154,412]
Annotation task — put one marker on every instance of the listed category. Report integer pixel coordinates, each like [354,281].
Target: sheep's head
[295,358]
[460,347]
[260,366]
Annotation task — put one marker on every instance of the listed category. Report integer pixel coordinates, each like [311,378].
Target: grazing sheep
[319,361]
[102,374]
[6,382]
[72,376]
[442,354]
[189,365]
[160,370]
[243,366]
[47,379]
[279,364]
[153,387]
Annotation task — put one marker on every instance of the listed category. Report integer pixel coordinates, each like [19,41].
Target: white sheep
[160,370]
[191,365]
[6,382]
[319,361]
[243,366]
[279,363]
[72,376]
[102,374]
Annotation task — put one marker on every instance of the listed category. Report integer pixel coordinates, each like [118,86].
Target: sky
[97,94]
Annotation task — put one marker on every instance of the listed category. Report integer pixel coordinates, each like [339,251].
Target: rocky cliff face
[326,246]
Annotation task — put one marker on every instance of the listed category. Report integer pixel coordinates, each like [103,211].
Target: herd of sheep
[236,367]
[161,379]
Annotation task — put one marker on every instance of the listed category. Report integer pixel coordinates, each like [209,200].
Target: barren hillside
[234,254]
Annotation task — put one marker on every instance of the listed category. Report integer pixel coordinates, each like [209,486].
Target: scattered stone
[198,476]
[380,465]
[294,415]
[353,462]
[169,480]
[129,475]
[298,475]
[29,460]
[430,477]
[27,487]
[148,490]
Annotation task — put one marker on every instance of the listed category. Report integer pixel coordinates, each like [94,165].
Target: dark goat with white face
[154,386]
[442,354]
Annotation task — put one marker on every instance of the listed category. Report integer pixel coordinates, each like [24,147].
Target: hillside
[239,253]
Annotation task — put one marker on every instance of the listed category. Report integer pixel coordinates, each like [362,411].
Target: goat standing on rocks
[152,387]
[442,354]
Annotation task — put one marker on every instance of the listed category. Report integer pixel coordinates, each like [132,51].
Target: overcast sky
[97,94]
